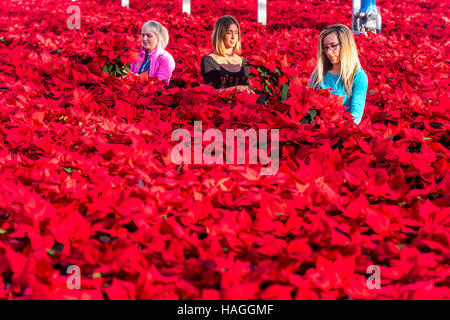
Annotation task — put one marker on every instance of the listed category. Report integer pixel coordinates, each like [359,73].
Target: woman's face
[149,39]
[331,47]
[231,36]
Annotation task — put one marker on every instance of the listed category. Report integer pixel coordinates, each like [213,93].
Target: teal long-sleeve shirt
[357,101]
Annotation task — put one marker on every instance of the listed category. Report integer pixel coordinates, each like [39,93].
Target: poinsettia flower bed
[86,176]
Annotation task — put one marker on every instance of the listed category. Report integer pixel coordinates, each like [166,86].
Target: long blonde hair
[159,30]
[348,57]
[220,30]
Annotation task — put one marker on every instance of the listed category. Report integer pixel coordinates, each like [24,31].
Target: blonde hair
[348,57]
[220,30]
[159,30]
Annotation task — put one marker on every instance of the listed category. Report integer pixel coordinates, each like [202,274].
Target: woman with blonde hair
[224,69]
[154,59]
[339,69]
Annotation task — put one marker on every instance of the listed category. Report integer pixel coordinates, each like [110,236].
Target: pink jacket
[161,63]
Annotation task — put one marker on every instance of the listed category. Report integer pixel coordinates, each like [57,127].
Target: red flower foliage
[86,177]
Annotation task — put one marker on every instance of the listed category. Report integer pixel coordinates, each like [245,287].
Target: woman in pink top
[153,58]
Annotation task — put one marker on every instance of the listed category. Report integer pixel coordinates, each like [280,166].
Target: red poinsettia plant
[88,186]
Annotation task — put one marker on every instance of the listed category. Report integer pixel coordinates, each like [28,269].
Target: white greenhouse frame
[261,14]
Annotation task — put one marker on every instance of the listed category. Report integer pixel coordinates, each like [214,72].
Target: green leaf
[399,246]
[371,92]
[96,275]
[310,117]
[435,195]
[284,91]
[427,138]
[2,231]
[68,170]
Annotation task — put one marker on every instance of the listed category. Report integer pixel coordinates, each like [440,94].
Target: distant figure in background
[224,69]
[338,68]
[154,58]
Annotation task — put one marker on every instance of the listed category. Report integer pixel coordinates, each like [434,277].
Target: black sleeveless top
[218,77]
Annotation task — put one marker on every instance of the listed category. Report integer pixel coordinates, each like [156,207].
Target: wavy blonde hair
[220,30]
[348,57]
[159,30]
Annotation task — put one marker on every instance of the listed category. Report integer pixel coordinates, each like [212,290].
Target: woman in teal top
[338,68]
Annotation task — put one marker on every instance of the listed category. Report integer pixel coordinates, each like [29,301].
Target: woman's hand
[239,89]
[243,88]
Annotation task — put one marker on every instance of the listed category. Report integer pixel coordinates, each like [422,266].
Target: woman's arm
[209,73]
[134,67]
[240,88]
[359,91]
[165,68]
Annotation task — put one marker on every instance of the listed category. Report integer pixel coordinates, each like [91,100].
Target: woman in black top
[224,69]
